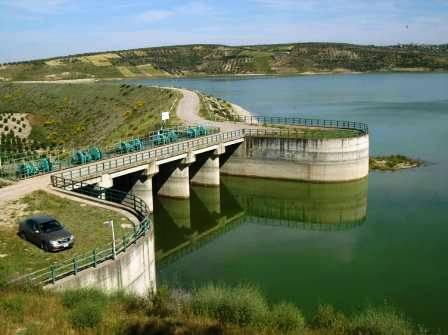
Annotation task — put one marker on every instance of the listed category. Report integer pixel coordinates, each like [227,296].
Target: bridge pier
[208,173]
[105,183]
[177,185]
[143,185]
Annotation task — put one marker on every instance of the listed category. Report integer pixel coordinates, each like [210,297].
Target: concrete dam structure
[132,180]
[315,160]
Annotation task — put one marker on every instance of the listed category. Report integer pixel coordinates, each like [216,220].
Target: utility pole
[111,224]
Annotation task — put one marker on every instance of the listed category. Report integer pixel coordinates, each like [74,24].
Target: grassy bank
[207,310]
[393,163]
[85,222]
[77,114]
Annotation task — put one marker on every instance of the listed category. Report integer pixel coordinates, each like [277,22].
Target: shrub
[286,317]
[327,318]
[382,321]
[86,315]
[73,298]
[243,305]
[86,306]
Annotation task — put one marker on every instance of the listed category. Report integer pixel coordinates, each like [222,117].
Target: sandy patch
[11,212]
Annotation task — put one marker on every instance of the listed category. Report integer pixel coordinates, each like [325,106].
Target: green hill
[190,60]
[38,116]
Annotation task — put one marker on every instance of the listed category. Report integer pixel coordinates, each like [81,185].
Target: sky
[32,29]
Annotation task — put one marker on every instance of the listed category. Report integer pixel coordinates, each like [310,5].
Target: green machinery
[133,145]
[83,157]
[28,169]
[193,132]
[165,137]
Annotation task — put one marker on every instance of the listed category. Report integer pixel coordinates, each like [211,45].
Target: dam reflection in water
[185,226]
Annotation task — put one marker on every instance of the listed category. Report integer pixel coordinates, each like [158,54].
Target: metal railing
[134,204]
[295,121]
[94,170]
[61,159]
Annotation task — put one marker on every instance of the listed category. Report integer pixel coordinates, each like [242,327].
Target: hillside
[193,60]
[36,116]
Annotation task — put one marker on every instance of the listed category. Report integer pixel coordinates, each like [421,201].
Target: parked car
[46,232]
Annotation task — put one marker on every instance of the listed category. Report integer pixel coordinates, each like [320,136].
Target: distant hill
[191,60]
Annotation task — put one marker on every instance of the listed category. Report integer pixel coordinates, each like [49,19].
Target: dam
[132,181]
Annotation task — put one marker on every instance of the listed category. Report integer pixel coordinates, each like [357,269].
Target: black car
[46,232]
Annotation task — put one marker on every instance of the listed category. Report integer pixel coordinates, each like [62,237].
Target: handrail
[137,158]
[296,121]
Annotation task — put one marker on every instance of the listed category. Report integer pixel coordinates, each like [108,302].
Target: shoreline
[227,76]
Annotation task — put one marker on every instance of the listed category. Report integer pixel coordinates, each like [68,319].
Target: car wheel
[22,235]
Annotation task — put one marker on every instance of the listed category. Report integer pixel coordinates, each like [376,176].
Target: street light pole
[111,224]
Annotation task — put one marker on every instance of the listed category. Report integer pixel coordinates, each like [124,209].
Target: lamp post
[111,224]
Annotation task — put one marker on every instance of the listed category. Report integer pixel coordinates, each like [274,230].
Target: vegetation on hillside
[73,115]
[18,257]
[207,310]
[220,59]
[216,109]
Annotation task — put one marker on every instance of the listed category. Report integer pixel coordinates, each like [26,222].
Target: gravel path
[188,111]
[23,188]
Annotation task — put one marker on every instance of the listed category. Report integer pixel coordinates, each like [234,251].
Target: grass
[85,222]
[211,309]
[86,114]
[393,163]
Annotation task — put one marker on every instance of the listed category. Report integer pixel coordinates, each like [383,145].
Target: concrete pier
[143,187]
[208,173]
[178,184]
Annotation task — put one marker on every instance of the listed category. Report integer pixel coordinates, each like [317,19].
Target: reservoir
[366,242]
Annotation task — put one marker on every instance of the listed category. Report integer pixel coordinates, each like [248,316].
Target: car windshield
[50,226]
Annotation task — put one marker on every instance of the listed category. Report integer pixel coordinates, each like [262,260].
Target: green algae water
[350,244]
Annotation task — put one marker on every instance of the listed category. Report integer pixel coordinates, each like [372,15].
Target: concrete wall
[319,160]
[133,271]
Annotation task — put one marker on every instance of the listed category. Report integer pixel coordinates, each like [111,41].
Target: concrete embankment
[132,271]
[318,160]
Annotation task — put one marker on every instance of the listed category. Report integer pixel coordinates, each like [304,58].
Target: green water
[344,244]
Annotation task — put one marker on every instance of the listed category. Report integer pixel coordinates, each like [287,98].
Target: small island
[393,163]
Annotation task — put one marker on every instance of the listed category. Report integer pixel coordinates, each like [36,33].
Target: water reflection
[182,226]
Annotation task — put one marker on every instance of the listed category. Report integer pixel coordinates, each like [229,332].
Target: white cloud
[154,15]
